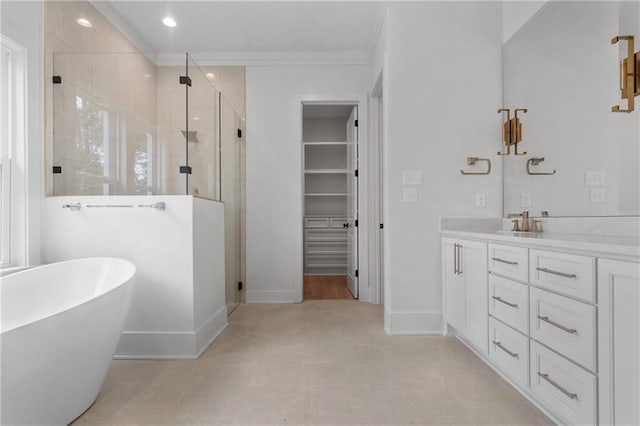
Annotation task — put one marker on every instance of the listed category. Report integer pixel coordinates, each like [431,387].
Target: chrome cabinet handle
[508,262]
[562,274]
[501,300]
[557,386]
[512,354]
[560,326]
[460,259]
[455,259]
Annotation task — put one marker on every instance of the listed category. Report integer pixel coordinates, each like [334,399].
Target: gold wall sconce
[534,162]
[512,131]
[629,74]
[471,161]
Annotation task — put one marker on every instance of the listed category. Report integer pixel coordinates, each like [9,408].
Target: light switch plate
[410,195]
[525,200]
[596,195]
[411,178]
[481,200]
[594,178]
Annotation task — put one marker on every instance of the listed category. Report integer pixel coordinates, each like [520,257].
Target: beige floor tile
[315,363]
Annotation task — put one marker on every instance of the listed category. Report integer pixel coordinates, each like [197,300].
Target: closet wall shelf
[311,171]
[325,143]
[325,194]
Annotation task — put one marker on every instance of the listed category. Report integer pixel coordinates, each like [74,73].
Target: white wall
[442,72]
[274,170]
[516,14]
[23,23]
[178,298]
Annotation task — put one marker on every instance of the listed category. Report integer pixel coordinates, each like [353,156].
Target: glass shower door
[232,175]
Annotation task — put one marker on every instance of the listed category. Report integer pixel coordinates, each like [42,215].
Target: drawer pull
[512,354]
[555,324]
[508,262]
[562,274]
[557,386]
[499,299]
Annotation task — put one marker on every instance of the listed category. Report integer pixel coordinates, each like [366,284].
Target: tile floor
[319,362]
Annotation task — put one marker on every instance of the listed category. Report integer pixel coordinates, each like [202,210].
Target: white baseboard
[257,296]
[210,330]
[427,322]
[172,344]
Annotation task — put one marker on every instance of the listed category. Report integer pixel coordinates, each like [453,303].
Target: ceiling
[342,28]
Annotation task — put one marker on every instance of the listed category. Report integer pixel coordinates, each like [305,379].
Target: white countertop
[600,244]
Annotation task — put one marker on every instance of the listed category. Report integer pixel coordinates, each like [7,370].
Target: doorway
[330,200]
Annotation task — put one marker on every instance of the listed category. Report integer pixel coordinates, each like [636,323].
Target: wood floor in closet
[326,287]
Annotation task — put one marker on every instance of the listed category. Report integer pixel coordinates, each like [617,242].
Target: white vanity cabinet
[563,321]
[619,342]
[465,277]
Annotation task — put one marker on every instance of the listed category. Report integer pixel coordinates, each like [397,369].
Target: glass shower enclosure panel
[203,148]
[104,125]
[232,186]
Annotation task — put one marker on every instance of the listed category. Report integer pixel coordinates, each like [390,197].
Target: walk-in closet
[330,158]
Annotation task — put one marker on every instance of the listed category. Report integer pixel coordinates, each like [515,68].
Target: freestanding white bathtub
[60,327]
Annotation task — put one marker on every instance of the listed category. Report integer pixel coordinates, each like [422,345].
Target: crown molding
[382,15]
[268,58]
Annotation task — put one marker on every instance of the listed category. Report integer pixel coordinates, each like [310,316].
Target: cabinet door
[454,288]
[474,273]
[619,342]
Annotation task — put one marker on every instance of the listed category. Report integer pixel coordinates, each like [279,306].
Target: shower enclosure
[122,125]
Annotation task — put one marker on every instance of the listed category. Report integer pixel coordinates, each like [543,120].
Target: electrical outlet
[596,195]
[525,200]
[410,195]
[594,178]
[481,200]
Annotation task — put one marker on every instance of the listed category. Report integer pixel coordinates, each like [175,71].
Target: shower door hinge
[239,285]
[57,79]
[185,170]
[57,170]
[382,226]
[356,273]
[356,123]
[356,172]
[356,223]
[239,133]
[185,79]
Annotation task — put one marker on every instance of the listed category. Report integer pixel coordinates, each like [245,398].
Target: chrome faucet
[526,225]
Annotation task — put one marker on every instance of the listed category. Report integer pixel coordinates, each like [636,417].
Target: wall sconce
[629,74]
[512,131]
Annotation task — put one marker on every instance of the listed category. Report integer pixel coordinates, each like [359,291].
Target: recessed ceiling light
[84,22]
[147,75]
[169,22]
[196,118]
[210,75]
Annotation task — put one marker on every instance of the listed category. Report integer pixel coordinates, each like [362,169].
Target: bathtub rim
[48,265]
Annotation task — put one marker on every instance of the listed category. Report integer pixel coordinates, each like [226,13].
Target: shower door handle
[345,225]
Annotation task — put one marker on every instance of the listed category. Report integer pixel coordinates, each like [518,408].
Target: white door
[352,202]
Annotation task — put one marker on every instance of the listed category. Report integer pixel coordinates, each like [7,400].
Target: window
[5,159]
[13,167]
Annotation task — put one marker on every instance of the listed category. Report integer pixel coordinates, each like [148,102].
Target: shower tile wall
[92,63]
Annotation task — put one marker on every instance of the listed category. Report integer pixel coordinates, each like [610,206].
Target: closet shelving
[325,203]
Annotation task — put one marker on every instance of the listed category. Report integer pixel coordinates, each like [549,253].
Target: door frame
[375,208]
[361,101]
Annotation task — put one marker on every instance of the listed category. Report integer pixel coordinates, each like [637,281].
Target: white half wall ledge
[407,323]
[171,344]
[267,296]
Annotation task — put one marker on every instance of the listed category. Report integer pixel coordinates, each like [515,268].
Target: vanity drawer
[509,302]
[510,262]
[565,389]
[509,350]
[316,222]
[564,273]
[565,325]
